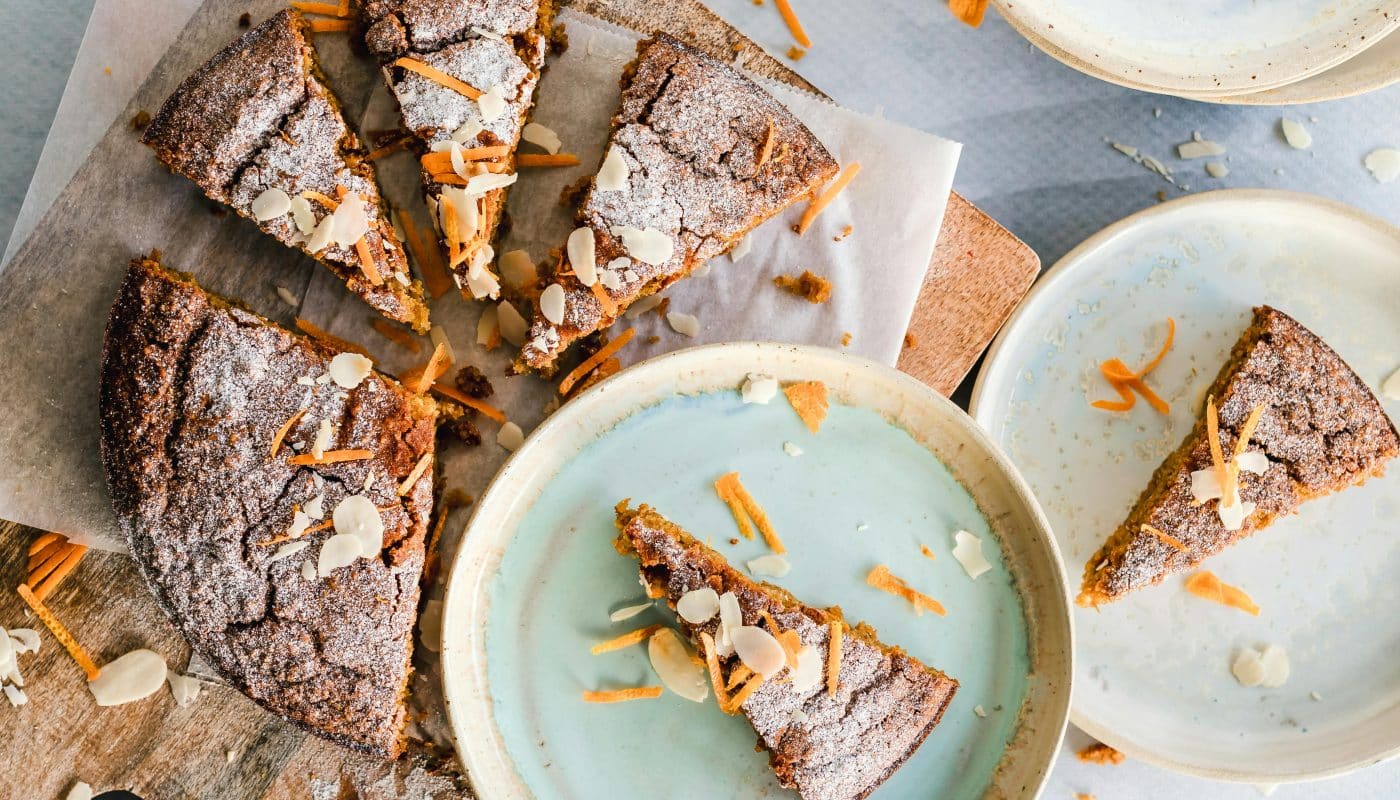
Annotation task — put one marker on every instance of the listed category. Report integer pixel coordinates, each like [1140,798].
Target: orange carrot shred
[428,257]
[326,337]
[60,633]
[810,402]
[1247,431]
[74,554]
[367,262]
[424,462]
[343,8]
[732,492]
[425,376]
[737,676]
[828,194]
[331,25]
[794,25]
[49,558]
[330,457]
[388,149]
[396,334]
[625,640]
[623,695]
[768,141]
[1171,540]
[712,665]
[1125,381]
[1217,456]
[736,702]
[441,161]
[42,541]
[546,160]
[1207,586]
[594,360]
[600,293]
[723,487]
[1129,400]
[452,393]
[438,76]
[833,658]
[329,9]
[448,178]
[1157,403]
[881,578]
[970,12]
[927,553]
[321,198]
[282,433]
[1161,354]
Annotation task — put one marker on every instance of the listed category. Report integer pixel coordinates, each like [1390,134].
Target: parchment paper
[54,294]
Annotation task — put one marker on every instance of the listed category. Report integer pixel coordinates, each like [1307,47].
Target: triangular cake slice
[827,744]
[699,155]
[257,129]
[464,73]
[1319,429]
[276,495]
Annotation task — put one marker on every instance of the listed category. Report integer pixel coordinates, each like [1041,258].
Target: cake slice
[699,155]
[834,728]
[464,73]
[276,495]
[257,129]
[1317,429]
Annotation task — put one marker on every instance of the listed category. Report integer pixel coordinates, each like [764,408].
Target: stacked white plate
[1222,51]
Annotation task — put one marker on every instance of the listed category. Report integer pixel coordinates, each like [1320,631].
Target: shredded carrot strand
[326,337]
[833,658]
[437,364]
[1129,400]
[1247,431]
[331,25]
[623,695]
[1217,456]
[289,537]
[1158,404]
[768,141]
[417,472]
[794,25]
[737,676]
[60,633]
[1171,540]
[969,12]
[324,200]
[730,484]
[330,457]
[1207,586]
[594,360]
[737,701]
[396,334]
[712,665]
[449,229]
[70,561]
[881,578]
[329,9]
[625,640]
[45,561]
[600,293]
[343,8]
[438,76]
[428,257]
[828,194]
[452,393]
[282,433]
[926,553]
[367,262]
[441,161]
[725,491]
[448,178]
[388,149]
[1124,380]
[42,541]
[546,160]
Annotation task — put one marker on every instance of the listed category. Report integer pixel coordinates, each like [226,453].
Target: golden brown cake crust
[847,744]
[1323,430]
[692,133]
[193,392]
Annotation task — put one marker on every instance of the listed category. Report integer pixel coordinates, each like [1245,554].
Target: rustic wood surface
[224,746]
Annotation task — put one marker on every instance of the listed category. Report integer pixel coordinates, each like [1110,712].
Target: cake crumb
[979,711]
[796,53]
[653,339]
[662,307]
[812,288]
[141,120]
[846,339]
[1100,753]
[846,231]
[245,20]
[910,341]
[474,383]
[1084,796]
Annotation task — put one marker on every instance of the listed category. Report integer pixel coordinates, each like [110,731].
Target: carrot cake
[1288,420]
[698,156]
[276,495]
[464,73]
[835,725]
[257,128]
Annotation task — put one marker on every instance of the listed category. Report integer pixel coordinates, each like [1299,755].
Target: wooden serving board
[225,746]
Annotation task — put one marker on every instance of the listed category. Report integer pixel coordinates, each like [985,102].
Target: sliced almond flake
[438,335]
[488,330]
[1232,517]
[642,306]
[80,791]
[517,268]
[430,625]
[321,235]
[308,570]
[322,380]
[647,245]
[1215,169]
[514,328]
[552,303]
[1391,387]
[289,549]
[315,507]
[770,566]
[483,285]
[684,324]
[792,449]
[458,162]
[698,605]
[758,388]
[537,134]
[1295,134]
[979,710]
[286,296]
[183,688]
[348,370]
[628,612]
[731,616]
[24,640]
[272,203]
[510,436]
[340,550]
[349,221]
[968,552]
[612,175]
[758,650]
[1200,149]
[674,665]
[810,671]
[492,103]
[481,184]
[1384,164]
[1254,462]
[15,695]
[304,380]
[323,438]
[134,676]
[741,249]
[582,255]
[469,130]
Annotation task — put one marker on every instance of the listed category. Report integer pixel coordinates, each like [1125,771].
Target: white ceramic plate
[1202,46]
[1374,68]
[1153,670]
[536,577]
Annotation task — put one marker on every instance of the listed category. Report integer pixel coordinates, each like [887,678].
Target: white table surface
[1034,158]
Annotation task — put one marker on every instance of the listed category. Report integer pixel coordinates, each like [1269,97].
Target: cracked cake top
[240,457]
[256,128]
[699,155]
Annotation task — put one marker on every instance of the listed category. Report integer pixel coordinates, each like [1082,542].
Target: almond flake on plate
[968,552]
[675,667]
[1391,387]
[758,650]
[183,688]
[134,676]
[1384,164]
[535,133]
[758,388]
[647,245]
[15,695]
[612,175]
[979,710]
[582,256]
[1295,134]
[286,296]
[517,269]
[642,306]
[1268,668]
[80,791]
[430,625]
[348,370]
[272,203]
[698,605]
[628,612]
[510,436]
[1200,148]
[469,130]
[741,248]
[770,566]
[684,324]
[321,235]
[513,327]
[552,303]
[478,185]
[1215,169]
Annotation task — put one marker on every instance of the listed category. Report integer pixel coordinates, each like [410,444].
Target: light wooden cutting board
[223,745]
